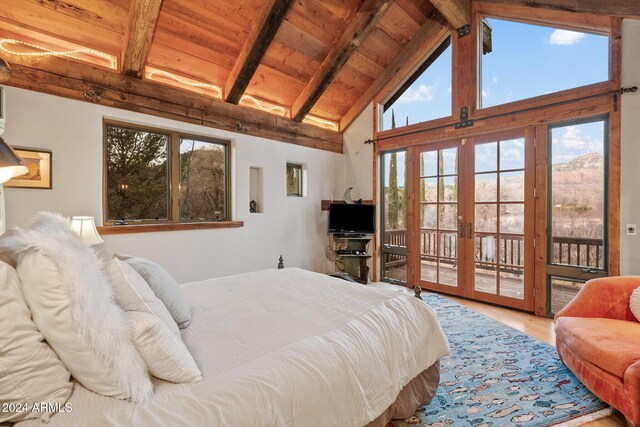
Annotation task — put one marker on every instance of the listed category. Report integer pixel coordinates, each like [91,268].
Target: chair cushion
[634,302]
[612,345]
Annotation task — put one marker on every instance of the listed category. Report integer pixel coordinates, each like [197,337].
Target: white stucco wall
[294,227]
[630,191]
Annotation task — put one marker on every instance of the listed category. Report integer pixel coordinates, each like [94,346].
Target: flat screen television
[352,219]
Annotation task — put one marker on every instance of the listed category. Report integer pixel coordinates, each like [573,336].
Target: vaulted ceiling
[292,58]
[315,61]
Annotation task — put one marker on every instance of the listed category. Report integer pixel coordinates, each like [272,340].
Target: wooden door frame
[413,222]
[528,133]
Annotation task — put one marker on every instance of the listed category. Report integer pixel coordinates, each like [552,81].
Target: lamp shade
[85,226]
[10,164]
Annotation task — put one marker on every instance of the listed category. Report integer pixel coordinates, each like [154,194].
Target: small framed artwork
[38,162]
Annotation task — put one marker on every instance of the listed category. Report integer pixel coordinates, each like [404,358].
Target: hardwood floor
[485,281]
[537,327]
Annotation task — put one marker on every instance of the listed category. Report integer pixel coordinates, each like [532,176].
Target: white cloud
[494,79]
[509,96]
[573,141]
[422,93]
[486,93]
[565,37]
[449,90]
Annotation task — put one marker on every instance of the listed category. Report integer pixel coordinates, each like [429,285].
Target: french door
[473,218]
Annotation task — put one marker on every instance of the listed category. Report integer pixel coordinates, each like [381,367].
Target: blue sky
[527,60]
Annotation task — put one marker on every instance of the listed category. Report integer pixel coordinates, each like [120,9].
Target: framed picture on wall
[38,161]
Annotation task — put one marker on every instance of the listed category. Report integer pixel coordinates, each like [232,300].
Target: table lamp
[10,167]
[85,226]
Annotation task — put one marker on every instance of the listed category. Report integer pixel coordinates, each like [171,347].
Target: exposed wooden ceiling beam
[142,26]
[456,12]
[425,41]
[256,45]
[359,28]
[70,79]
[617,8]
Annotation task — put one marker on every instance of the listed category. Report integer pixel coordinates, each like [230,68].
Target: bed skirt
[418,392]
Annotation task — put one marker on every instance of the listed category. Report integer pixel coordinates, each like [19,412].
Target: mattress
[282,348]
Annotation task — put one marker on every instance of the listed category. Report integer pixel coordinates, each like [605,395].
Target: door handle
[589,270]
[461,230]
[469,231]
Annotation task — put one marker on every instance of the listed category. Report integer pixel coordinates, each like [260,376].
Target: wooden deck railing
[566,250]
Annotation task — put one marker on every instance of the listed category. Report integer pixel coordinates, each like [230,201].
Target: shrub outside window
[155,175]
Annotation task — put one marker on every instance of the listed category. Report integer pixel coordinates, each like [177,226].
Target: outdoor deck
[485,281]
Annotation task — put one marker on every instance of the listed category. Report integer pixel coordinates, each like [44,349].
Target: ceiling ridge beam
[142,26]
[75,80]
[456,12]
[358,30]
[423,43]
[254,48]
[617,8]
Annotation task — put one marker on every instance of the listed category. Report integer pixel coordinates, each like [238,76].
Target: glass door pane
[499,240]
[438,216]
[394,216]
[577,238]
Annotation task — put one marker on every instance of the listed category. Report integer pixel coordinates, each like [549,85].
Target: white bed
[283,348]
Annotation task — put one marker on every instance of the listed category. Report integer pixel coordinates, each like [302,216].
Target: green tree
[202,180]
[393,200]
[137,174]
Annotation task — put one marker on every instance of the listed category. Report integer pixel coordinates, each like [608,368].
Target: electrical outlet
[632,229]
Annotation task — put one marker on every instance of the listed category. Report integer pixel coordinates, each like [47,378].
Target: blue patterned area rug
[497,376]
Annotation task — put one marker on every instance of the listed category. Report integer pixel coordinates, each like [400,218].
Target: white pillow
[134,294]
[29,370]
[165,354]
[634,303]
[163,285]
[72,304]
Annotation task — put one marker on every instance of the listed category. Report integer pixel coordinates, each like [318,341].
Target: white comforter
[283,348]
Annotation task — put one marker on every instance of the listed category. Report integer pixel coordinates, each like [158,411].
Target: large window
[577,237]
[161,176]
[522,61]
[426,95]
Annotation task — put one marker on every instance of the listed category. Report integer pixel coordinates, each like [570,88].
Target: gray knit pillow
[163,285]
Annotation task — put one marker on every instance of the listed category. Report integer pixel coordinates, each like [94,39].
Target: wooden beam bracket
[464,113]
[465,30]
[464,124]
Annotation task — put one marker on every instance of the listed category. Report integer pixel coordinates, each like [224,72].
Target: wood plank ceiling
[317,61]
[305,60]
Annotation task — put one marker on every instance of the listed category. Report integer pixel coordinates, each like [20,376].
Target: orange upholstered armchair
[598,338]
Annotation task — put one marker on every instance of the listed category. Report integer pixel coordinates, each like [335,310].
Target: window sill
[169,226]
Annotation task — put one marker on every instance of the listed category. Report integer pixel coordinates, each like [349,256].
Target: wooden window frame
[594,24]
[174,221]
[585,102]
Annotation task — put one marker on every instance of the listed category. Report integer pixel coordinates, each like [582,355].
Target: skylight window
[530,60]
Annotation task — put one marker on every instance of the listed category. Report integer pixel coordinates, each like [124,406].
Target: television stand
[352,250]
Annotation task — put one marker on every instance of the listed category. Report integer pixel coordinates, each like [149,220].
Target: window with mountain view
[141,184]
[524,60]
[577,239]
[426,95]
